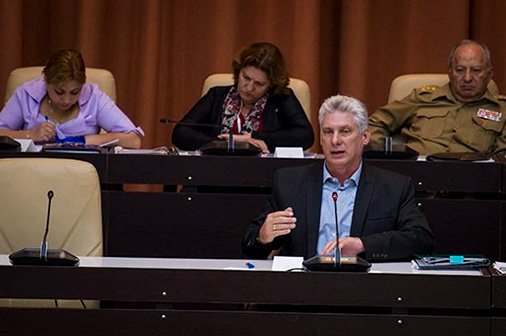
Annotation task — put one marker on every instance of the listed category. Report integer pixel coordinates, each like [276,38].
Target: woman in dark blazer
[259,108]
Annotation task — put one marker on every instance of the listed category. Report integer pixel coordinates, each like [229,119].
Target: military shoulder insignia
[428,88]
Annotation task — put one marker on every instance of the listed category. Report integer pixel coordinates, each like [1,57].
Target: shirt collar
[355,177]
[37,89]
[446,91]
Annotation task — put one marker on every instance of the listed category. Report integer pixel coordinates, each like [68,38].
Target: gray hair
[486,51]
[345,104]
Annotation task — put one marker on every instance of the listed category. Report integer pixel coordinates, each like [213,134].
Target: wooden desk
[463,201]
[395,301]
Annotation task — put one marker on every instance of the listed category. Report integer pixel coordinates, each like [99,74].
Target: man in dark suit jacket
[378,216]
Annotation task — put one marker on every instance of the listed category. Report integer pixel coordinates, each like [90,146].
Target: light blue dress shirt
[345,202]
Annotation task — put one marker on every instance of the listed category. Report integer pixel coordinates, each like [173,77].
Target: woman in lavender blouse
[61,107]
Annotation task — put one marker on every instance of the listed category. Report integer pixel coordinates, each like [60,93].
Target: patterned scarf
[232,109]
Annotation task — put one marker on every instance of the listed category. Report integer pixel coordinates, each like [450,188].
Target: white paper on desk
[289,152]
[109,143]
[500,267]
[27,145]
[286,263]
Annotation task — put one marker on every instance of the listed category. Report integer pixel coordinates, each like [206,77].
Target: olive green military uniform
[433,121]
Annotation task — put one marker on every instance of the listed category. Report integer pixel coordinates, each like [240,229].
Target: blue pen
[250,265]
[50,121]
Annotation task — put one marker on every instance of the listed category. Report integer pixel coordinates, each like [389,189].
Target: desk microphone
[220,147]
[44,256]
[337,263]
[337,256]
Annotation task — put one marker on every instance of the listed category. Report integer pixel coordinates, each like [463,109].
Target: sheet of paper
[287,263]
[500,267]
[289,152]
[27,145]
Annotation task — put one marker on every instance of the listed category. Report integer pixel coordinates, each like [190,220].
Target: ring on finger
[274,227]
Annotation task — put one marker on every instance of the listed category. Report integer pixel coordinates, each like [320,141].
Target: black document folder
[393,152]
[70,147]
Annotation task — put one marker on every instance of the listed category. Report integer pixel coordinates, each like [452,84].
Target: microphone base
[31,256]
[324,263]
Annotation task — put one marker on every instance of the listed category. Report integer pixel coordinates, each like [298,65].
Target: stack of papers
[450,262]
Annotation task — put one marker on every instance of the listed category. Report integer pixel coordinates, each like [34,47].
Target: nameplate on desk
[289,152]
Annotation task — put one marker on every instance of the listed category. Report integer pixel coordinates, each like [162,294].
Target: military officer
[462,116]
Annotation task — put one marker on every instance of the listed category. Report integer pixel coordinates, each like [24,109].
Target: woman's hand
[246,137]
[45,132]
[125,140]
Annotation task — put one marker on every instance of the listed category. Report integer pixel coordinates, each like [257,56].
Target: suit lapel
[314,187]
[362,200]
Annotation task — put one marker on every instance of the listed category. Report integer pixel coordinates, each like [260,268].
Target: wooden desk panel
[212,225]
[468,177]
[197,170]
[219,323]
[345,302]
[465,226]
[397,291]
[498,326]
[499,291]
[189,225]
[498,323]
[253,171]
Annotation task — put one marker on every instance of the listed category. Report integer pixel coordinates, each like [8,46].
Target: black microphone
[337,263]
[44,256]
[43,245]
[388,145]
[219,147]
[193,124]
[337,257]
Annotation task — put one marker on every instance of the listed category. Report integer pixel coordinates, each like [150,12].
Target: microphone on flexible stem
[219,147]
[337,263]
[191,124]
[44,256]
[43,245]
[388,145]
[337,257]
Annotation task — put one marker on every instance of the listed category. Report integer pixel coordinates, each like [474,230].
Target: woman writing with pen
[258,108]
[61,107]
